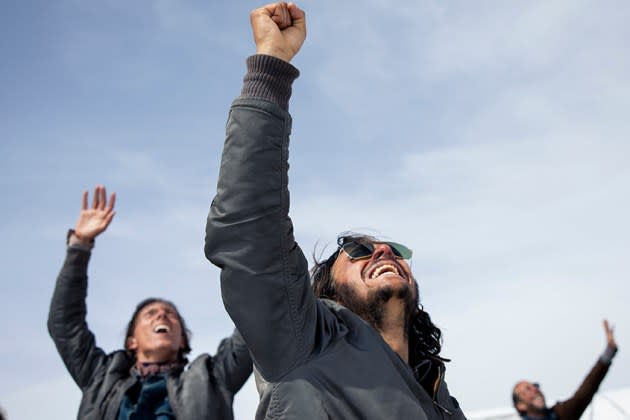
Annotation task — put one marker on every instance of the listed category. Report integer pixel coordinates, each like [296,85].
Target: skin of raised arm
[94,220]
[610,335]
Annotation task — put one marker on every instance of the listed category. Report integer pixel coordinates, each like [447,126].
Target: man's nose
[382,251]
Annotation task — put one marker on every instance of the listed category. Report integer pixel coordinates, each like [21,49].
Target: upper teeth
[384,268]
[160,328]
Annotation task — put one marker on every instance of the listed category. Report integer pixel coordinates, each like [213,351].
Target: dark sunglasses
[361,250]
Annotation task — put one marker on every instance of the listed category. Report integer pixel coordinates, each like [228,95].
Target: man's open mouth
[383,269]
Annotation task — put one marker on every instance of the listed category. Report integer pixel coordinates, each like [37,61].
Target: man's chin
[538,406]
[395,290]
[372,307]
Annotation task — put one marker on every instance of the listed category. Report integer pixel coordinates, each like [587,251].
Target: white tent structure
[609,405]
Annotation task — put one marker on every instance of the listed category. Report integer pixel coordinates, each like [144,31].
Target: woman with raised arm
[151,377]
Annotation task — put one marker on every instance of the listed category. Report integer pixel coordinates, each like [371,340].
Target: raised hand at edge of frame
[610,335]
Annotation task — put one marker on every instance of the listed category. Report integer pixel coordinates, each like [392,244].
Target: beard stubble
[372,309]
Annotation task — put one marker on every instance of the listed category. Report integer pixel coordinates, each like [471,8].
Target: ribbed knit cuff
[269,78]
[608,355]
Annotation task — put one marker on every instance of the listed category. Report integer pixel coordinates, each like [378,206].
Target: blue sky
[492,138]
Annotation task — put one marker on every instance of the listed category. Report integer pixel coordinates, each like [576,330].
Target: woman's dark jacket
[203,390]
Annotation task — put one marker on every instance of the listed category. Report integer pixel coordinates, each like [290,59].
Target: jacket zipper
[436,387]
[446,410]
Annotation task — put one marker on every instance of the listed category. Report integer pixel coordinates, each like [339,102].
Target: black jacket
[315,358]
[204,390]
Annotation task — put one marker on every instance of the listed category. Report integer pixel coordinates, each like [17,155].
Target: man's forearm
[575,406]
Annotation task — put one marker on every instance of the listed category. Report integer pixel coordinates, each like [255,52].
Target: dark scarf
[147,399]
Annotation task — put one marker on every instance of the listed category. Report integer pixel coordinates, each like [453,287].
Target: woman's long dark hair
[425,338]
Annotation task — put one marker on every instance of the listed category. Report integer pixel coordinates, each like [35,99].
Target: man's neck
[392,328]
[536,413]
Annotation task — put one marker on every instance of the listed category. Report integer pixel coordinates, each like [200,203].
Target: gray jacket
[204,390]
[316,359]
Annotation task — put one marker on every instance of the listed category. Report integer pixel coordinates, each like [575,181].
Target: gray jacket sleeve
[232,363]
[66,320]
[249,235]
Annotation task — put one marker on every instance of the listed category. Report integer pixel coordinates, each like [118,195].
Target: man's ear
[521,406]
[131,343]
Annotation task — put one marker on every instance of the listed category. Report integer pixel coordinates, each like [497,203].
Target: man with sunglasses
[530,403]
[357,348]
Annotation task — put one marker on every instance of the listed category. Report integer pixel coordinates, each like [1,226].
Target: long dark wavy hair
[186,334]
[425,338]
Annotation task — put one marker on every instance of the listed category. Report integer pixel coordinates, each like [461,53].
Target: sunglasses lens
[356,250]
[400,250]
